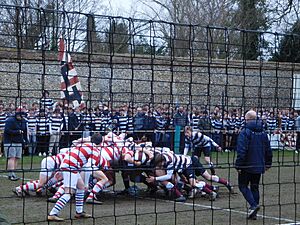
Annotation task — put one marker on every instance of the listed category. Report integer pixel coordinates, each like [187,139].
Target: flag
[70,85]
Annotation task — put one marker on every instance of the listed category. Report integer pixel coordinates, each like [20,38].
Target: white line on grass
[288,224]
[291,222]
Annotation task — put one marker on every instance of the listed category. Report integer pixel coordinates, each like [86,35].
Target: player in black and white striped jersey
[31,124]
[195,118]
[46,102]
[97,119]
[230,132]
[196,142]
[160,126]
[55,126]
[168,165]
[3,117]
[42,135]
[122,121]
[272,122]
[106,119]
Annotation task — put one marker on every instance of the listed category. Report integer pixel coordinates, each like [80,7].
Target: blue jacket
[12,131]
[253,149]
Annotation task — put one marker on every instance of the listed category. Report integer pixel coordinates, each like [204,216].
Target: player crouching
[73,182]
[48,175]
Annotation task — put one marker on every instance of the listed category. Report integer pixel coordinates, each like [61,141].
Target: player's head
[188,130]
[19,113]
[96,138]
[250,115]
[159,160]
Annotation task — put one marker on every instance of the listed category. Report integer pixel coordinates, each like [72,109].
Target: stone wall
[121,79]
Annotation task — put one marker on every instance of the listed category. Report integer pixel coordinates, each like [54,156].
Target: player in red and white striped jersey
[102,180]
[48,175]
[71,166]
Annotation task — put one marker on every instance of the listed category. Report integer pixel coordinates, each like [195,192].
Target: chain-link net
[140,83]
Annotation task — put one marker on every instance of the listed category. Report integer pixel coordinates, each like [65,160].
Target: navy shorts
[206,151]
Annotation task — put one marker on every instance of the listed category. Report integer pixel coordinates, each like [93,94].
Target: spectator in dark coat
[138,123]
[181,120]
[15,137]
[254,156]
[204,124]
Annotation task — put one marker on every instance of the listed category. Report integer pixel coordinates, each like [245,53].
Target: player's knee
[215,178]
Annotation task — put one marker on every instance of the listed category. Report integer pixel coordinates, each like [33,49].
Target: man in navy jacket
[15,137]
[254,157]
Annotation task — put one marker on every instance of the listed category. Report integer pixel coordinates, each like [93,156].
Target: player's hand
[137,163]
[150,179]
[219,148]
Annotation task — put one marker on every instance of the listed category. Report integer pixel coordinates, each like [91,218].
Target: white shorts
[71,179]
[47,167]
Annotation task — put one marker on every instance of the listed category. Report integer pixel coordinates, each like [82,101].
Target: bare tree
[39,23]
[205,13]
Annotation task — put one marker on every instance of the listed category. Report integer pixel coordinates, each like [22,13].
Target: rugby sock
[220,180]
[126,180]
[29,186]
[60,204]
[126,183]
[58,184]
[107,184]
[96,189]
[176,192]
[209,186]
[207,189]
[223,181]
[60,192]
[51,182]
[79,197]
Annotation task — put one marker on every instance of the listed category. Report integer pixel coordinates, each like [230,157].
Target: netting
[73,75]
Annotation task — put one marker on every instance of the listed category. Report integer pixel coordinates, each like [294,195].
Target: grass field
[280,199]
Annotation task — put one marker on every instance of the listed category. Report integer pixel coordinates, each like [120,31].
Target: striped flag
[70,85]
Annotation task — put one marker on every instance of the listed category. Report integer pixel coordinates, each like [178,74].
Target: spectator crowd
[55,125]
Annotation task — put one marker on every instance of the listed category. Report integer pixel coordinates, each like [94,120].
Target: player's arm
[149,153]
[187,146]
[213,143]
[168,176]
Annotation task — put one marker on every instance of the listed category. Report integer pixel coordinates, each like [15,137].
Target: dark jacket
[73,122]
[12,131]
[253,149]
[181,119]
[139,121]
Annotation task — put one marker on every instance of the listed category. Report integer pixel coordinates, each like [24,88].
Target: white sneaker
[40,154]
[296,152]
[193,193]
[18,192]
[212,196]
[44,154]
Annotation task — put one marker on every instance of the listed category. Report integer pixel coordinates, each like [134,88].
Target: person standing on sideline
[14,139]
[254,157]
[297,125]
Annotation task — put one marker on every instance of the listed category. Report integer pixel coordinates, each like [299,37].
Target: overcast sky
[120,7]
